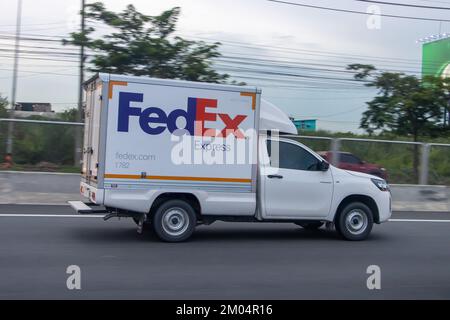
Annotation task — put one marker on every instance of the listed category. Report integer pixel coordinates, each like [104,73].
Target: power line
[42,52]
[299,52]
[405,5]
[3,45]
[35,24]
[284,83]
[37,58]
[25,38]
[319,117]
[270,62]
[346,56]
[42,72]
[57,49]
[318,98]
[355,12]
[240,69]
[44,35]
[306,84]
[296,50]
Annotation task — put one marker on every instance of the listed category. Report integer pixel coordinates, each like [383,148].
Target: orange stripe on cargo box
[138,176]
[252,95]
[115,83]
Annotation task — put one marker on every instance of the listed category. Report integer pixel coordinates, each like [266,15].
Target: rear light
[81,190]
[93,196]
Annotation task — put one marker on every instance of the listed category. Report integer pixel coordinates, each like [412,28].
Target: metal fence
[405,162]
[43,145]
[431,164]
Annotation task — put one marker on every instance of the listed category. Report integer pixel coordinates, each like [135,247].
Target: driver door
[297,188]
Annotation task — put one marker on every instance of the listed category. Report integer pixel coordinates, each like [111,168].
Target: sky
[273,37]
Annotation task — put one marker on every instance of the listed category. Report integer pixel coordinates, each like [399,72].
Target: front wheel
[354,222]
[174,221]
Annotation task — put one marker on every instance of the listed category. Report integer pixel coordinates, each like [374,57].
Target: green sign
[436,58]
[305,125]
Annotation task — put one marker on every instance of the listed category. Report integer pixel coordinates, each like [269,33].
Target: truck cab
[300,185]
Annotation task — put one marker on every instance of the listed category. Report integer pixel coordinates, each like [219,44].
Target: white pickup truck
[175,154]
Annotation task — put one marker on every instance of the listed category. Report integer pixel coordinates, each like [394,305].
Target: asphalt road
[222,261]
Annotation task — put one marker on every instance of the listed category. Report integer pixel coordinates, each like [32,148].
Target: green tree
[144,45]
[405,105]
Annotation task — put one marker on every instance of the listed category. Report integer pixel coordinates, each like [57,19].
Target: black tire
[313,225]
[174,221]
[354,222]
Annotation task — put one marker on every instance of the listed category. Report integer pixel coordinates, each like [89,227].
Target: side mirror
[324,166]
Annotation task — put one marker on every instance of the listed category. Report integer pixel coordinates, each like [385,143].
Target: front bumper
[384,202]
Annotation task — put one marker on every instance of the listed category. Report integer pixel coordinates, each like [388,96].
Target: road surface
[222,261]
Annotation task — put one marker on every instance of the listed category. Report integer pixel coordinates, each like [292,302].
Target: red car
[348,161]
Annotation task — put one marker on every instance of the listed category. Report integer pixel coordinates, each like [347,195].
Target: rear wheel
[313,225]
[354,222]
[174,221]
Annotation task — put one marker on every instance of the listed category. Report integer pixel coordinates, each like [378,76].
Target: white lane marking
[52,215]
[418,220]
[30,215]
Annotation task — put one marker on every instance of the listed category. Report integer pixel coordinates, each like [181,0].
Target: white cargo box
[144,133]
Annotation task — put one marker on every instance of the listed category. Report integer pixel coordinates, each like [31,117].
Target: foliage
[144,45]
[405,105]
[3,105]
[35,143]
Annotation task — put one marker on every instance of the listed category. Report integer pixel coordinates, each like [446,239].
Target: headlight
[381,184]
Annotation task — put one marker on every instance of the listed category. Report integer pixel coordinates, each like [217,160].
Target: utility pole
[9,139]
[79,131]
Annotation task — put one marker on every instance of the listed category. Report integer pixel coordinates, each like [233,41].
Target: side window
[294,157]
[349,158]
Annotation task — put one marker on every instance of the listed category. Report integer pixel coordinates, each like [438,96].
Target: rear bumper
[86,207]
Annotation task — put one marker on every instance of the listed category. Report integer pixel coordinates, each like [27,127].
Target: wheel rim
[356,222]
[175,221]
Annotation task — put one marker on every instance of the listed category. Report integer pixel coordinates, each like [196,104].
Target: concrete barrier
[58,188]
[420,198]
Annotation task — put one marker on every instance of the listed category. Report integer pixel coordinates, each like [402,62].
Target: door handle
[274,176]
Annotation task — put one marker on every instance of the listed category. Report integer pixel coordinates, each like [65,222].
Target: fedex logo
[154,121]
